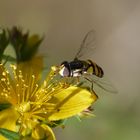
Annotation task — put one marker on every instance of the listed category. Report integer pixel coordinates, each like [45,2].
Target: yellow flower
[33,103]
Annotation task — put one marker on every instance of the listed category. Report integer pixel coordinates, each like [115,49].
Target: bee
[87,69]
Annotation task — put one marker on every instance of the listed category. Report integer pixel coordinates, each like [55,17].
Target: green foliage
[10,135]
[56,123]
[24,44]
[4,106]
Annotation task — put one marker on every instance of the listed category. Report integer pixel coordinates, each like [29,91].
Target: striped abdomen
[94,69]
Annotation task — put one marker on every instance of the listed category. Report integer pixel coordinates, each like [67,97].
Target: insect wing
[101,83]
[87,44]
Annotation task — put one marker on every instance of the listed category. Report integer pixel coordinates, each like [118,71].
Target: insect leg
[91,85]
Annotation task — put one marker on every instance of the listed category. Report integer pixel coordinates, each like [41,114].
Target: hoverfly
[86,69]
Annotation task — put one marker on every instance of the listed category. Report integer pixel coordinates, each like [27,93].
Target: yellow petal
[49,132]
[2,138]
[34,66]
[70,102]
[42,132]
[8,118]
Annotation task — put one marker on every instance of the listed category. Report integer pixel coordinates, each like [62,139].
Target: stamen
[28,99]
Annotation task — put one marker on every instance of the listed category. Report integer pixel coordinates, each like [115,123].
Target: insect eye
[64,72]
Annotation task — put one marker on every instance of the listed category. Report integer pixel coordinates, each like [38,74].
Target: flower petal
[49,132]
[34,66]
[70,102]
[2,138]
[8,118]
[42,132]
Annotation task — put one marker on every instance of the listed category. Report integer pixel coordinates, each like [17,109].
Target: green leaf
[24,44]
[4,106]
[9,58]
[56,123]
[9,54]
[10,135]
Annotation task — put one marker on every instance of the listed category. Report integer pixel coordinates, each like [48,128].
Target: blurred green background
[117,25]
